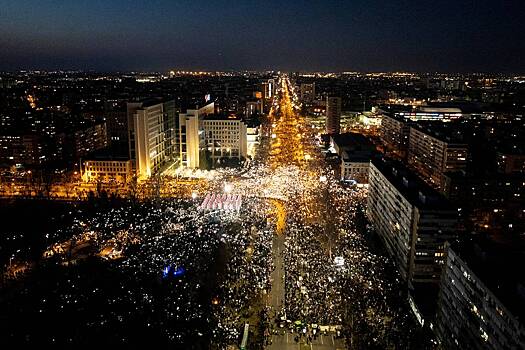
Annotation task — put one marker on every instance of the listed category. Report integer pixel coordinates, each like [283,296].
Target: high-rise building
[189,141]
[254,108]
[152,135]
[413,220]
[268,92]
[208,138]
[268,88]
[435,150]
[25,150]
[224,138]
[86,140]
[395,128]
[117,126]
[333,115]
[307,92]
[481,300]
[394,136]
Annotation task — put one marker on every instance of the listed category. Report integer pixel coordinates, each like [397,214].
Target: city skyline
[319,175]
[296,36]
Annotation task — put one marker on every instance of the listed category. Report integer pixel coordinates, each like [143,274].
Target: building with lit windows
[333,115]
[481,303]
[254,108]
[395,128]
[85,140]
[413,220]
[268,88]
[189,140]
[354,168]
[224,138]
[117,126]
[307,92]
[511,162]
[443,114]
[152,135]
[355,152]
[394,136]
[268,92]
[435,150]
[253,136]
[107,170]
[369,123]
[208,139]
[25,150]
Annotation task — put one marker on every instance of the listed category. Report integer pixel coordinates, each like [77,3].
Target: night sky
[365,35]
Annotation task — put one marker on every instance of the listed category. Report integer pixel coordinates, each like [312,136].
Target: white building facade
[412,219]
[205,135]
[152,136]
[107,170]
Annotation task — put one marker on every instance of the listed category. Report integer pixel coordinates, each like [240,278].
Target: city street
[291,260]
[277,175]
[289,148]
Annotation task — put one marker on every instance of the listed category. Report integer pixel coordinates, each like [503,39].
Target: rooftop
[221,116]
[352,140]
[447,132]
[149,102]
[415,190]
[115,152]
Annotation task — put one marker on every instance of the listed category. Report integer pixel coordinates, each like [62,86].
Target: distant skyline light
[364,35]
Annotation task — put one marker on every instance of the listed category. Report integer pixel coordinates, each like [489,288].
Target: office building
[189,141]
[433,113]
[152,136]
[253,135]
[268,92]
[107,169]
[333,115]
[412,219]
[208,139]
[225,138]
[481,303]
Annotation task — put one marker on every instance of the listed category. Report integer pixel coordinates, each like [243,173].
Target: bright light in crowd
[194,195]
[274,136]
[322,178]
[227,188]
[307,157]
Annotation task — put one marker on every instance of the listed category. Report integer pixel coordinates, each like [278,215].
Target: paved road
[284,339]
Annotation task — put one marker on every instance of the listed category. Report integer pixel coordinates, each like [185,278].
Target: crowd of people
[192,276]
[164,270]
[333,279]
